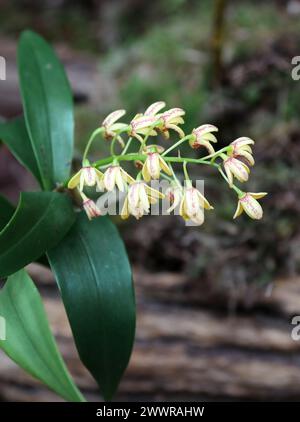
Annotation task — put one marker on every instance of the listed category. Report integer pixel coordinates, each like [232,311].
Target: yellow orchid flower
[89,206]
[236,168]
[142,122]
[203,136]
[170,120]
[138,200]
[193,204]
[142,125]
[154,109]
[153,164]
[116,176]
[248,203]
[241,148]
[86,176]
[110,126]
[174,193]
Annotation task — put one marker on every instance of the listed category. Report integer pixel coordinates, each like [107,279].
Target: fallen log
[187,347]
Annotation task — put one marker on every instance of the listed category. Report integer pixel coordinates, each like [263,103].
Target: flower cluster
[154,162]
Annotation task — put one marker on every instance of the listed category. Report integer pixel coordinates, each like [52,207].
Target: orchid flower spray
[155,160]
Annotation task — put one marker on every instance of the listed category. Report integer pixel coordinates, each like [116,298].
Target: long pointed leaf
[29,341]
[40,221]
[6,211]
[94,277]
[48,108]
[14,134]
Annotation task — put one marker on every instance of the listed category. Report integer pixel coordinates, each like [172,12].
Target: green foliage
[48,108]
[40,221]
[95,281]
[6,211]
[29,341]
[15,136]
[90,263]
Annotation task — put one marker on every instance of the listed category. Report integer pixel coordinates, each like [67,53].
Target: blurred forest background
[215,302]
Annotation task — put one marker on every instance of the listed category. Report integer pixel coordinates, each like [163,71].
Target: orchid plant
[83,248]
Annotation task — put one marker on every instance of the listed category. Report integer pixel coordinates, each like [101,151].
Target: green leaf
[6,211]
[29,341]
[48,108]
[95,280]
[14,134]
[40,221]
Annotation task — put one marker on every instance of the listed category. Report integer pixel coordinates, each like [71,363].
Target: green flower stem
[125,157]
[127,146]
[186,175]
[174,176]
[165,176]
[238,191]
[139,176]
[223,156]
[112,146]
[105,162]
[142,157]
[216,154]
[90,141]
[189,160]
[186,138]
